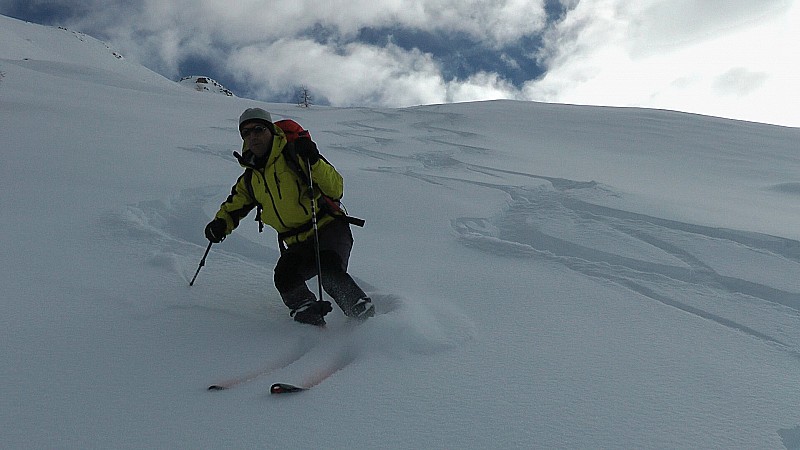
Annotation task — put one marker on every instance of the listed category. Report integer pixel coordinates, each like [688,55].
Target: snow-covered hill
[549,276]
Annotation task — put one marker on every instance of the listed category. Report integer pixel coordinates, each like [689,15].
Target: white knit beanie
[255,114]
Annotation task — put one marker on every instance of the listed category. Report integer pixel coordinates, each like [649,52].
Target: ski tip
[283,388]
[216,387]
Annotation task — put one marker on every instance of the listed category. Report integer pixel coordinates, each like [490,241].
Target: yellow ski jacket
[281,193]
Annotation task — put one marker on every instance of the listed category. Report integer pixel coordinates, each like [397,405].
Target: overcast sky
[729,58]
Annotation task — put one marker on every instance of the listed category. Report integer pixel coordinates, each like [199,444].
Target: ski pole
[202,263]
[316,230]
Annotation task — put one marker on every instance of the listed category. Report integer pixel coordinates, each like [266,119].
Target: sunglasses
[258,129]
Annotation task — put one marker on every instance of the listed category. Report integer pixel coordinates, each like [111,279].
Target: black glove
[307,149]
[215,230]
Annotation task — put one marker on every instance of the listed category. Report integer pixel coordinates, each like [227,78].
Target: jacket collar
[248,159]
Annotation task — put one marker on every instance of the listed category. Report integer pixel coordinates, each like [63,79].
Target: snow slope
[549,276]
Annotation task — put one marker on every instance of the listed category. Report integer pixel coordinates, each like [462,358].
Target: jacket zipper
[300,198]
[278,184]
[272,200]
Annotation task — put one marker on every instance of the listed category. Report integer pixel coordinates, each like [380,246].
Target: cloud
[270,48]
[662,26]
[482,86]
[359,74]
[740,82]
[364,75]
[497,22]
[729,58]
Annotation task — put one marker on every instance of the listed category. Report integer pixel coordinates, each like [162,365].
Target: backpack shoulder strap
[293,161]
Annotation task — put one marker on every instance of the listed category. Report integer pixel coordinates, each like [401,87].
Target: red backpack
[292,129]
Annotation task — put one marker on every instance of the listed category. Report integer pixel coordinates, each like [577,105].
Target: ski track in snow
[655,257]
[557,219]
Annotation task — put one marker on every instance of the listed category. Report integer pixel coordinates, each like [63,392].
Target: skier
[273,183]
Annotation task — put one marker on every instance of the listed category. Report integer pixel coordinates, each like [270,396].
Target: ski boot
[312,313]
[362,309]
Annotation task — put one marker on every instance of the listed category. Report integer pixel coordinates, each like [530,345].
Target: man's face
[258,138]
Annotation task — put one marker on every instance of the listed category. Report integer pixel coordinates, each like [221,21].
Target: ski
[284,388]
[316,377]
[233,382]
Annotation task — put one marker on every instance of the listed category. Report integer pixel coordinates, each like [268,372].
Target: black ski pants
[298,264]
